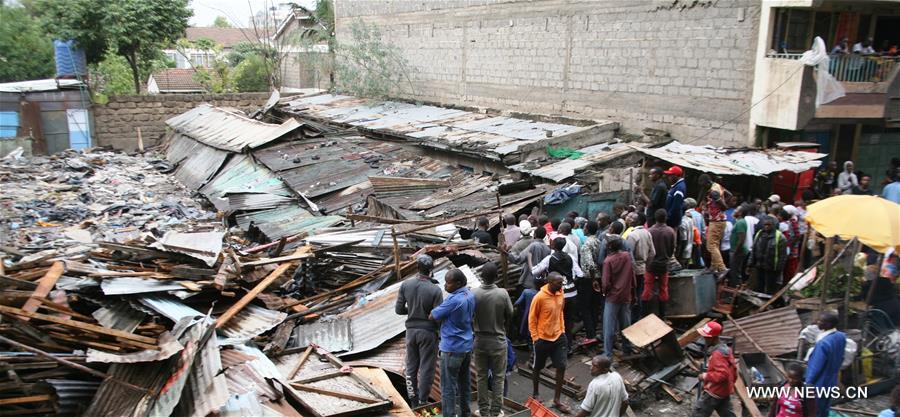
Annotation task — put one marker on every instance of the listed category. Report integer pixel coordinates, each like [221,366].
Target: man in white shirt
[606,395]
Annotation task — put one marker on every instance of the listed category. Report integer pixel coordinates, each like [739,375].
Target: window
[9,124]
[200,59]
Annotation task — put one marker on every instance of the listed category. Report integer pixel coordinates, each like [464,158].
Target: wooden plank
[44,286]
[309,350]
[25,400]
[78,325]
[741,390]
[378,378]
[691,335]
[262,285]
[59,308]
[338,394]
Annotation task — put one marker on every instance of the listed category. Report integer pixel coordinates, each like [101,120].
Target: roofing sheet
[204,246]
[169,306]
[775,331]
[120,316]
[250,322]
[72,396]
[745,161]
[242,175]
[559,170]
[285,221]
[34,86]
[197,163]
[134,285]
[437,126]
[115,400]
[228,130]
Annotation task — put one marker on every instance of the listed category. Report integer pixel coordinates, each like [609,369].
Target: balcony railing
[854,68]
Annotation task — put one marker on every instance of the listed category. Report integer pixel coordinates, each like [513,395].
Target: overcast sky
[238,12]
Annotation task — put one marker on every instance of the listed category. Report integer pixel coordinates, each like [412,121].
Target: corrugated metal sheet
[242,175]
[120,316]
[205,389]
[168,306]
[745,161]
[167,346]
[250,322]
[560,170]
[256,201]
[34,86]
[204,246]
[247,372]
[227,130]
[488,136]
[380,237]
[116,400]
[390,356]
[72,396]
[775,331]
[332,334]
[200,165]
[285,221]
[132,285]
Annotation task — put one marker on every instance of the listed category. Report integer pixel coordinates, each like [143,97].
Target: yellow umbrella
[875,221]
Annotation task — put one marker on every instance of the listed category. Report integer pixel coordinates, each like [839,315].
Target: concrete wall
[684,66]
[116,122]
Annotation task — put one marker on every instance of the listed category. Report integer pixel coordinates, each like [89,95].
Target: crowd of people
[604,273]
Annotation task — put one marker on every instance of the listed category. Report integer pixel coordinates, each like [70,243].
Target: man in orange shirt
[547,327]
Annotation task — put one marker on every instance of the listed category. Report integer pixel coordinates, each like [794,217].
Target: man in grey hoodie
[416,299]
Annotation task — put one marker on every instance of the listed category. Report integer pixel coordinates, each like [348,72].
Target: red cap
[674,170]
[711,329]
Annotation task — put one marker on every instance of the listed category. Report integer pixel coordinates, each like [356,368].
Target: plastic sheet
[828,88]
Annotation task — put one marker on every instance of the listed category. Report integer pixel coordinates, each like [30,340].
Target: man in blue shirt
[675,196]
[892,190]
[455,314]
[826,359]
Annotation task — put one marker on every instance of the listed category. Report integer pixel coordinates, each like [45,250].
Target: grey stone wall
[116,122]
[683,66]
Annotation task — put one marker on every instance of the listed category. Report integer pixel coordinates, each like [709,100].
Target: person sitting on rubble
[720,375]
[768,257]
[416,299]
[826,359]
[789,402]
[546,323]
[606,395]
[481,234]
[456,314]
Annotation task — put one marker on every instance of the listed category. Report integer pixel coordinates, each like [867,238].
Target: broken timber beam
[689,336]
[44,286]
[338,394]
[80,325]
[262,285]
[745,398]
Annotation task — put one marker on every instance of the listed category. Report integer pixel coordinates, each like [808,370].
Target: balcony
[854,68]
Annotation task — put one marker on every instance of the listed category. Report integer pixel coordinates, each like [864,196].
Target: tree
[221,22]
[250,75]
[135,29]
[367,67]
[26,53]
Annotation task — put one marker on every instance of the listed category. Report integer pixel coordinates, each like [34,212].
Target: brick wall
[684,66]
[116,122]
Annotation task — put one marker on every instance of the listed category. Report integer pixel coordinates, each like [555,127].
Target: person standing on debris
[656,276]
[790,403]
[455,315]
[675,196]
[536,251]
[714,209]
[481,234]
[826,359]
[617,286]
[560,262]
[511,233]
[606,395]
[416,299]
[547,326]
[657,198]
[493,312]
[768,256]
[690,206]
[720,375]
[640,243]
[790,228]
[589,299]
[739,247]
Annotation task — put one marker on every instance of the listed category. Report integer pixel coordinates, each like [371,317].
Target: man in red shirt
[718,380]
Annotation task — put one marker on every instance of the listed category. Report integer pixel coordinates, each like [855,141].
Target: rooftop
[176,80]
[227,37]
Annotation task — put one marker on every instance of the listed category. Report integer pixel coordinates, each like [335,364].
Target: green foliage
[26,53]
[135,29]
[221,22]
[111,76]
[838,283]
[250,75]
[368,67]
[218,78]
[239,52]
